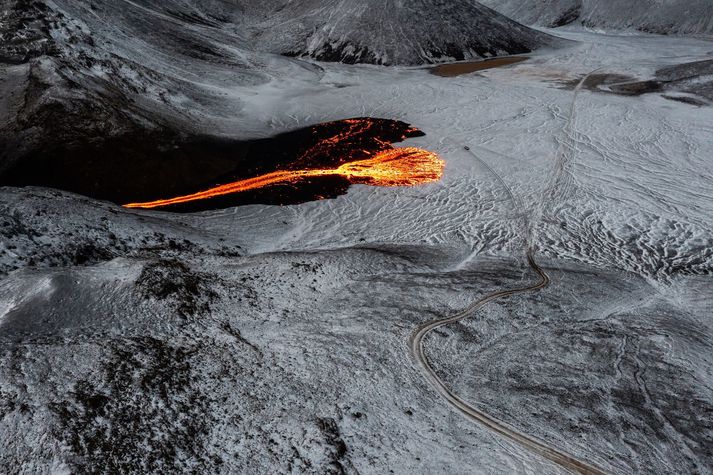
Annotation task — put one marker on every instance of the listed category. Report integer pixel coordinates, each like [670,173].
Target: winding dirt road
[531,443]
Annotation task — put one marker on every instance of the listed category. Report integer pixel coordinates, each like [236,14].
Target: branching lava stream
[407,166]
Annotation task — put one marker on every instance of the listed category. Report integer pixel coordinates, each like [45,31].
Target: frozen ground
[274,339]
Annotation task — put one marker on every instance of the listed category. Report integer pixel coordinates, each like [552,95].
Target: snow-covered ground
[274,339]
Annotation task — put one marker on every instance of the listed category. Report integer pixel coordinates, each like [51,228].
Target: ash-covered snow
[269,339]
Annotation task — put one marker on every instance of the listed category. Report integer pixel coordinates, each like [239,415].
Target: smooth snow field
[275,339]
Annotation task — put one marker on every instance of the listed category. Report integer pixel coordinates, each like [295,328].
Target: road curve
[530,443]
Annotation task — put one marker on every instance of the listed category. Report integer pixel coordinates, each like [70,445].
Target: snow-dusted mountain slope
[653,16]
[393,31]
[85,72]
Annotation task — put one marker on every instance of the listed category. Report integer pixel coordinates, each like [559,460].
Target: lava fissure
[408,166]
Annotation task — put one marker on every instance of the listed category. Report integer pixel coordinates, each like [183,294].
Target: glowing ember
[392,167]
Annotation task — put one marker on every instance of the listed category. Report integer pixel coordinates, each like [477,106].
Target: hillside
[393,32]
[652,16]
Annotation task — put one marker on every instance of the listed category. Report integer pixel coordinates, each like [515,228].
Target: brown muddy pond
[466,67]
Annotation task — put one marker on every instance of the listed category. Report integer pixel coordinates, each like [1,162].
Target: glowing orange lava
[408,166]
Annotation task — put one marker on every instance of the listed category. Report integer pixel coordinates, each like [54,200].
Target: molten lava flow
[392,167]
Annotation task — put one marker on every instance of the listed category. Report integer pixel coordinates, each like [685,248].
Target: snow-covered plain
[274,339]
